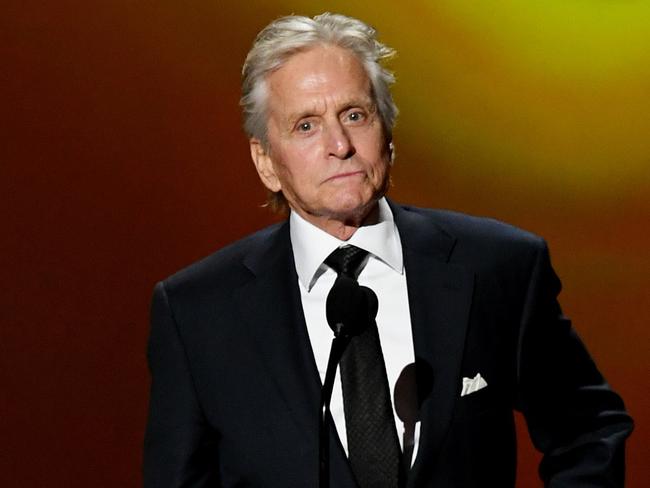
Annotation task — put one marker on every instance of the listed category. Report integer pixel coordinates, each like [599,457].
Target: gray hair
[292,34]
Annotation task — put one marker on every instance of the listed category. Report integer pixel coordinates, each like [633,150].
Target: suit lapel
[439,299]
[271,309]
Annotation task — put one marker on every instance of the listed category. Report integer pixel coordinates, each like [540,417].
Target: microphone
[350,309]
[412,388]
[405,400]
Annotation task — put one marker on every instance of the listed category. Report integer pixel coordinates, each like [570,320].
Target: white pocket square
[471,385]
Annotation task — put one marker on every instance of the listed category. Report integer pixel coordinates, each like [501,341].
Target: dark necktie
[373,446]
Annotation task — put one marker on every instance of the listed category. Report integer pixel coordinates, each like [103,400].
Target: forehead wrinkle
[314,81]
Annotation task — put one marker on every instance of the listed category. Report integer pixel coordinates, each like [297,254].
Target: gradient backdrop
[122,159]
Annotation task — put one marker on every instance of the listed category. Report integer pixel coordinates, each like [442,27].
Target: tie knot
[346,260]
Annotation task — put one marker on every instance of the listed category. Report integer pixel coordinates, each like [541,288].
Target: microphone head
[372,304]
[350,308]
[412,388]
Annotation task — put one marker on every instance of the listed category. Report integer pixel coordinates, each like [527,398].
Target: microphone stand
[349,309]
[339,343]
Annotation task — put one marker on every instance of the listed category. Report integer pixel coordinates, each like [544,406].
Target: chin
[353,208]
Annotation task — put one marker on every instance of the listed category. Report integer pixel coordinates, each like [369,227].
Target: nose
[339,142]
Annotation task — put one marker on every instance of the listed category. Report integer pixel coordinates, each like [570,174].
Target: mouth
[348,174]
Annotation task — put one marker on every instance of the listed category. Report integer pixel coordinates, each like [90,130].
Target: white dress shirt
[384,273]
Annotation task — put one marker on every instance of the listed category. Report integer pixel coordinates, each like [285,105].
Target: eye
[356,116]
[304,127]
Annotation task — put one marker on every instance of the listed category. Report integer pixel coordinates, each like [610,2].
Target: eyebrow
[365,102]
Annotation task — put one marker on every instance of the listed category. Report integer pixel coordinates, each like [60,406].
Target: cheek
[294,173]
[380,167]
[304,164]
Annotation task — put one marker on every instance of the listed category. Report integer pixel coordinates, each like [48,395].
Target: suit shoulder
[483,242]
[476,228]
[225,265]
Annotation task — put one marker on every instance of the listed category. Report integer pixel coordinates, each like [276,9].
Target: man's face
[327,151]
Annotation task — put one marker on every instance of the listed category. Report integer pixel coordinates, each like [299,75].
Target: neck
[344,227]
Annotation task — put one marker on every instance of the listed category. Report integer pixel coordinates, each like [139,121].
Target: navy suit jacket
[235,389]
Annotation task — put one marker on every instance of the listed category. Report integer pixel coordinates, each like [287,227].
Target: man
[239,341]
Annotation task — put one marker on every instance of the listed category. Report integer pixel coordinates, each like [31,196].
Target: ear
[391,152]
[264,165]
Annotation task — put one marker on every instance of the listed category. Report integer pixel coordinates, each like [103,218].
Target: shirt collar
[312,245]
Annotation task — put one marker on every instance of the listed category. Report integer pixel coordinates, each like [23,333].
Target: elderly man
[467,326]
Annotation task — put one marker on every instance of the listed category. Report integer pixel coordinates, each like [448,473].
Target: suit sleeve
[179,448]
[573,416]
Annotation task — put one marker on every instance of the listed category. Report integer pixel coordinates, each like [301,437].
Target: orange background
[122,160]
